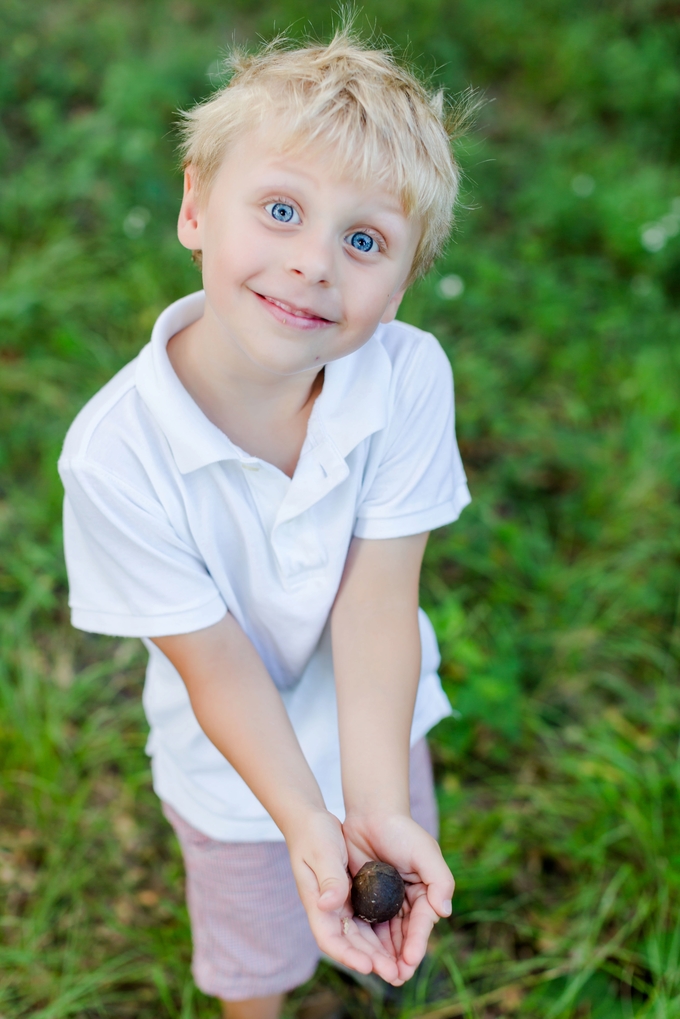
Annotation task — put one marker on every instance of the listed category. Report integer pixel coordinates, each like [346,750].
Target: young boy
[252,497]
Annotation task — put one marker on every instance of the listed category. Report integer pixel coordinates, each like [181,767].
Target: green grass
[556,596]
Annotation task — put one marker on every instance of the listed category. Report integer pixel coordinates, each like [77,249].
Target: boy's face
[300,262]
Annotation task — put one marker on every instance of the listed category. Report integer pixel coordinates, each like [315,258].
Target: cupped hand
[398,840]
[318,855]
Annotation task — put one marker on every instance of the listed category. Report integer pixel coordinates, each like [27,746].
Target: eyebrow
[281,168]
[387,206]
[276,167]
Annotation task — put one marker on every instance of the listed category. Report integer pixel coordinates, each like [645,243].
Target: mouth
[291,315]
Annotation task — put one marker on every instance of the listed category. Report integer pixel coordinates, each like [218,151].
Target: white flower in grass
[450,287]
[582,185]
[653,236]
[671,223]
[136,221]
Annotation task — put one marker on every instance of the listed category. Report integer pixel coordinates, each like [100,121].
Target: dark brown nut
[377,892]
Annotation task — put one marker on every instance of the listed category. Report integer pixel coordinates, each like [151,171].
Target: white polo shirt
[168,525]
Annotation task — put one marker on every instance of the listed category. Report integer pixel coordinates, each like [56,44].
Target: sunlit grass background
[555,596]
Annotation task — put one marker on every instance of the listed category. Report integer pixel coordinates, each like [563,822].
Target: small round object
[377,892]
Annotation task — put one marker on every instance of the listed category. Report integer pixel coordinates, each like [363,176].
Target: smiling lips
[288,314]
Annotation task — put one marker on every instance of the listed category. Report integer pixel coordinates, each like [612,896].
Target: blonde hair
[383,125]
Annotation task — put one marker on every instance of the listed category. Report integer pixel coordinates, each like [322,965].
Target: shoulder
[421,378]
[415,355]
[103,409]
[114,434]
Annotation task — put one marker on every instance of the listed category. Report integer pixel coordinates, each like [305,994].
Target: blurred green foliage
[556,595]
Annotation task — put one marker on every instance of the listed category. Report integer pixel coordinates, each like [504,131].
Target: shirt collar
[351,406]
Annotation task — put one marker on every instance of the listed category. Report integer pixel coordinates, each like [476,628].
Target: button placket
[296,534]
[318,473]
[268,488]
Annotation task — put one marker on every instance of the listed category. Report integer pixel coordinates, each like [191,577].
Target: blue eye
[282,212]
[362,242]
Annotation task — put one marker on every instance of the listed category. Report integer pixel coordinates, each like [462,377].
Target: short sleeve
[130,573]
[419,482]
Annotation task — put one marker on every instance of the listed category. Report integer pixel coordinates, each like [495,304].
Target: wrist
[301,816]
[376,817]
[377,781]
[377,803]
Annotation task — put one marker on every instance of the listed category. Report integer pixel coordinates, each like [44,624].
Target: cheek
[367,298]
[232,242]
[232,262]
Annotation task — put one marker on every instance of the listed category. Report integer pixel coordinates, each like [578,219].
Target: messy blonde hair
[383,124]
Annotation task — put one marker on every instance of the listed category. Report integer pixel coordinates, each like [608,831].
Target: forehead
[272,152]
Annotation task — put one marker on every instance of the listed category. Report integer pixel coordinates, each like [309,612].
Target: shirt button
[250,467]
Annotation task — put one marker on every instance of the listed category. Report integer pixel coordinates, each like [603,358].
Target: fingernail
[447,908]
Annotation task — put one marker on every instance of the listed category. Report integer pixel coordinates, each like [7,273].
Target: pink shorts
[250,932]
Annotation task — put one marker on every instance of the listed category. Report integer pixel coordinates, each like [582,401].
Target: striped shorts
[251,937]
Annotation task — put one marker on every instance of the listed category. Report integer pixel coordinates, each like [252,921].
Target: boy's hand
[398,840]
[377,658]
[318,855]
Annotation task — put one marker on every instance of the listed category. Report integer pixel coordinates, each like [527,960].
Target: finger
[341,951]
[360,941]
[385,962]
[439,897]
[440,884]
[336,889]
[400,937]
[331,881]
[343,943]
[421,920]
[334,886]
[333,893]
[391,936]
[383,932]
[387,969]
[397,927]
[360,931]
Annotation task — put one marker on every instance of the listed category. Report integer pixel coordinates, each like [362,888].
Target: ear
[188,224]
[393,306]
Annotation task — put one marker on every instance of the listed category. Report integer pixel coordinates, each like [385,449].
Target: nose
[310,256]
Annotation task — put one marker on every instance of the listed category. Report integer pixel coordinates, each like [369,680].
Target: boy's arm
[240,710]
[377,661]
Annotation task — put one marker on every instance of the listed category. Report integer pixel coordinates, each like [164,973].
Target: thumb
[440,893]
[437,878]
[333,886]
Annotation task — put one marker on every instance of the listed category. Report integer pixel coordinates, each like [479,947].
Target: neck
[214,365]
[263,413]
